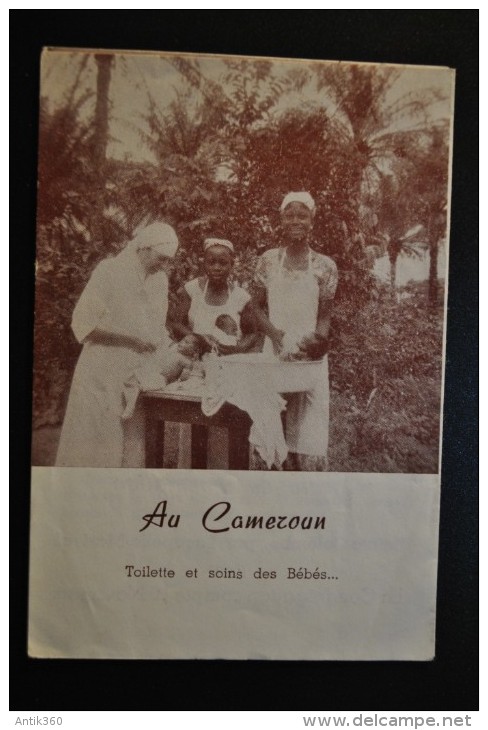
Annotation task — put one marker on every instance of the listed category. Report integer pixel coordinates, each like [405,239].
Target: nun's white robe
[121,300]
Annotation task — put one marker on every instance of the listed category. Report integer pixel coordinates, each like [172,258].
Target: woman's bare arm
[259,300]
[178,318]
[250,335]
[316,345]
[100,336]
[323,317]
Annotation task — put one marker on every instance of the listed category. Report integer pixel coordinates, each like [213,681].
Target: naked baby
[179,361]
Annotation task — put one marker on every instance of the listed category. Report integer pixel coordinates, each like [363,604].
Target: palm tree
[204,144]
[397,209]
[104,63]
[431,189]
[417,196]
[184,140]
[372,130]
[380,137]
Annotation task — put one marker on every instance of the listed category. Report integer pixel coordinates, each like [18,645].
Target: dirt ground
[45,445]
[46,438]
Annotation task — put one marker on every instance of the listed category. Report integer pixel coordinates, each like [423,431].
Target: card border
[450,682]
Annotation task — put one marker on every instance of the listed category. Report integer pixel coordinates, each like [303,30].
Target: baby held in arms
[167,364]
[225,330]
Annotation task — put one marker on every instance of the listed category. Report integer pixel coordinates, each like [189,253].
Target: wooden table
[161,406]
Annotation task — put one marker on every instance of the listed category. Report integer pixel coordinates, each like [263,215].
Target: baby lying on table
[178,361]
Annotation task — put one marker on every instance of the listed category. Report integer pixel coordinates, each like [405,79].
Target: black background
[450,682]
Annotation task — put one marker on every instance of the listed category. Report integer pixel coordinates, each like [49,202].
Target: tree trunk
[393,262]
[436,231]
[104,69]
[393,251]
[433,254]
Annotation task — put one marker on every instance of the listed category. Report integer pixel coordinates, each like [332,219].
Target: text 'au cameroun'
[219,518]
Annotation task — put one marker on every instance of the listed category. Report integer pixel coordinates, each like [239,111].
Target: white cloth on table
[260,399]
[120,300]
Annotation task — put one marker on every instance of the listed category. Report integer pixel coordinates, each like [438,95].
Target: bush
[386,365]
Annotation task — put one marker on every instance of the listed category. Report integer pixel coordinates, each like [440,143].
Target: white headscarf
[209,242]
[159,236]
[303,197]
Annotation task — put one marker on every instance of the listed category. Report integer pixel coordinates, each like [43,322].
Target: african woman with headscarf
[293,292]
[120,319]
[207,299]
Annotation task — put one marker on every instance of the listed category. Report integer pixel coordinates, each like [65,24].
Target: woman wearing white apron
[120,319]
[296,286]
[200,303]
[203,300]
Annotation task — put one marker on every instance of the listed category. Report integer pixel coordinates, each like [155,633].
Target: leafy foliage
[382,365]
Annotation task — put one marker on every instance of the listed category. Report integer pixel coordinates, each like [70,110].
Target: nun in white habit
[120,319]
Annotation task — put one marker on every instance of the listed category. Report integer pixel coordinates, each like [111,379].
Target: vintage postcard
[241,286]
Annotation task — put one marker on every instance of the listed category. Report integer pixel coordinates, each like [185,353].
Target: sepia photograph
[241,263]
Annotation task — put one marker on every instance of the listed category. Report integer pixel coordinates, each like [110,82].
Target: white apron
[202,316]
[293,305]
